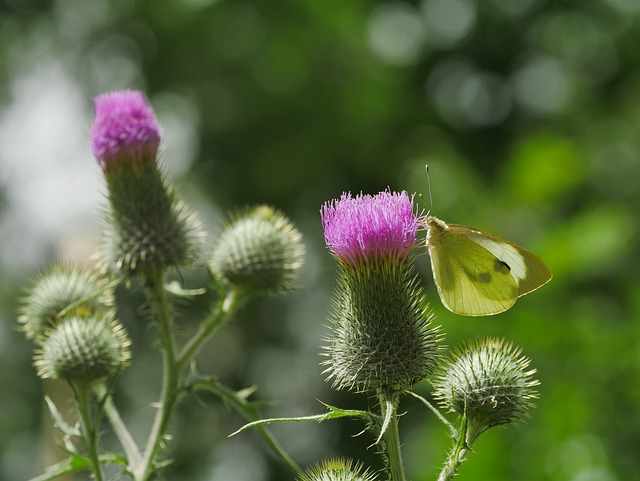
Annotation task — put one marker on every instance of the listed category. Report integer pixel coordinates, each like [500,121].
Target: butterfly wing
[528,270]
[471,279]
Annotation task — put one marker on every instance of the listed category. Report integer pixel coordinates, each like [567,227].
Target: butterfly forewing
[527,268]
[467,283]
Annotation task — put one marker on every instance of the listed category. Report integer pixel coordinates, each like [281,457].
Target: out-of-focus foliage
[528,112]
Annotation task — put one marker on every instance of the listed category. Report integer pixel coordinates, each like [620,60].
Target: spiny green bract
[258,250]
[62,290]
[83,348]
[337,470]
[147,227]
[382,335]
[490,377]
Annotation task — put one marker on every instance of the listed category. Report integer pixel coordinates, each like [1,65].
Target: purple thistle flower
[125,127]
[365,227]
[382,339]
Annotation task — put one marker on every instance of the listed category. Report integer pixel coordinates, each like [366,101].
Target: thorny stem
[452,429]
[174,365]
[457,455]
[391,436]
[218,317]
[170,379]
[88,426]
[120,429]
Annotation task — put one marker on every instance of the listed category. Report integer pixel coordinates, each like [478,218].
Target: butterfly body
[477,273]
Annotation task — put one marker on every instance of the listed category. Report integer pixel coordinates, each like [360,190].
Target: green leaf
[78,462]
[72,464]
[239,400]
[445,421]
[333,413]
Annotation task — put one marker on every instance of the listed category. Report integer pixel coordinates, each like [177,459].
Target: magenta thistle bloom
[364,227]
[382,338]
[125,127]
[148,228]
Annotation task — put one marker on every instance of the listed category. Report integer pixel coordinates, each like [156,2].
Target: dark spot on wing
[500,266]
[484,277]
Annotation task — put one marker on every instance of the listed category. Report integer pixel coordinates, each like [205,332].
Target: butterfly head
[435,226]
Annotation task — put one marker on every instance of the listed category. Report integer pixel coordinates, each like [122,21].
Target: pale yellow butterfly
[477,273]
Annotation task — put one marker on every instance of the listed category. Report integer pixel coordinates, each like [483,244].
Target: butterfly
[477,273]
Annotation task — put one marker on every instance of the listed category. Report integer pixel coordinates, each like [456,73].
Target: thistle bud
[338,470]
[148,227]
[59,292]
[83,349]
[259,251]
[382,336]
[489,383]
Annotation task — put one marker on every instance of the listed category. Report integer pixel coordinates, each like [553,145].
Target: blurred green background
[527,111]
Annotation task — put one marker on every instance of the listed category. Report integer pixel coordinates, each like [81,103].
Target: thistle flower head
[147,226]
[382,335]
[63,290]
[369,227]
[258,250]
[490,380]
[338,470]
[83,348]
[125,128]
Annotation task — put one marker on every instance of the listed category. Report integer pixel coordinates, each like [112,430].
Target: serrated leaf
[334,413]
[239,401]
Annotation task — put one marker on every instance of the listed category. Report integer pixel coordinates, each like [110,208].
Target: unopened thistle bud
[59,292]
[148,227]
[259,251]
[490,380]
[83,349]
[338,470]
[382,336]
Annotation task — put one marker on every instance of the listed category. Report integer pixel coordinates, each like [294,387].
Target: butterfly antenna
[426,168]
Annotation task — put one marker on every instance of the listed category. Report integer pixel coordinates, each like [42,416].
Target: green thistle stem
[82,393]
[391,436]
[120,429]
[457,455]
[171,374]
[452,429]
[218,317]
[174,364]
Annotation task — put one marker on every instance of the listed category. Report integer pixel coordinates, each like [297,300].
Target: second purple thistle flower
[125,127]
